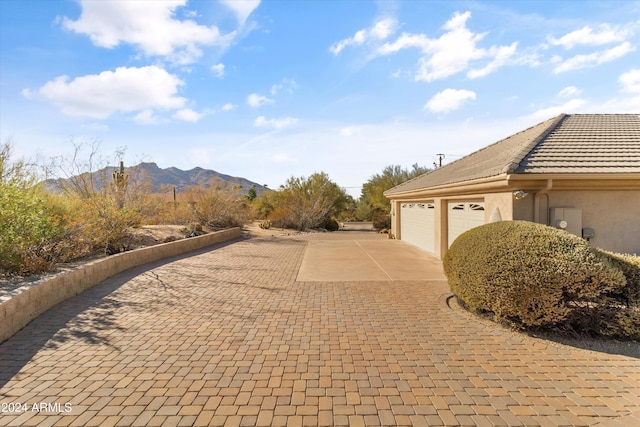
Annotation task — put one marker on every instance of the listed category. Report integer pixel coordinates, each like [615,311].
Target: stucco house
[579,172]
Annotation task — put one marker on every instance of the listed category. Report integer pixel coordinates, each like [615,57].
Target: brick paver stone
[227,336]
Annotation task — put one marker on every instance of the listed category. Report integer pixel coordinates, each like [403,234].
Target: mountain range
[161,179]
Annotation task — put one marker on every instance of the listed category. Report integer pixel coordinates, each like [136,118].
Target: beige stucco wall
[523,208]
[395,219]
[610,204]
[614,215]
[500,201]
[440,244]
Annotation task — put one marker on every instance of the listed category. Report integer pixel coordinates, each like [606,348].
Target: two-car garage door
[463,216]
[417,222]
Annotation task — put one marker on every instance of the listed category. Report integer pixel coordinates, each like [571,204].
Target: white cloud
[594,59]
[449,100]
[256,100]
[350,131]
[282,123]
[286,85]
[123,90]
[569,91]
[406,41]
[587,36]
[228,107]
[146,117]
[631,81]
[150,26]
[188,115]
[218,70]
[569,107]
[380,30]
[452,52]
[383,28]
[500,56]
[242,8]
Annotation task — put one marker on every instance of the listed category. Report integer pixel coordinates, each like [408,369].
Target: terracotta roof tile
[566,144]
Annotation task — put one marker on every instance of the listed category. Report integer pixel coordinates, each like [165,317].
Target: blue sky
[267,90]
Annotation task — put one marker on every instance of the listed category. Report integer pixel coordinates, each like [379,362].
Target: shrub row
[538,276]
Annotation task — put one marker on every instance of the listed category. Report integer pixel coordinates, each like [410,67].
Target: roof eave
[529,182]
[458,188]
[577,181]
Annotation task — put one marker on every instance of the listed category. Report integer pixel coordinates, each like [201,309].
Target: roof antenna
[440,157]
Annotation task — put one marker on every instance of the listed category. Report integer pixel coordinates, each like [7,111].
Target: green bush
[617,313]
[26,226]
[531,274]
[26,230]
[630,266]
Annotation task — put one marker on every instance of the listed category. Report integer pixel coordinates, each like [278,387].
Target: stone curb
[28,302]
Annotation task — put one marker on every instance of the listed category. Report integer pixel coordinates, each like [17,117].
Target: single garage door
[417,225]
[464,216]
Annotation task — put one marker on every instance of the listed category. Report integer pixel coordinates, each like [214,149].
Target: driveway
[350,256]
[255,333]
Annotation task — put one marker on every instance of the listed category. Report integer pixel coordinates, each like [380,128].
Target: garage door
[417,224]
[464,216]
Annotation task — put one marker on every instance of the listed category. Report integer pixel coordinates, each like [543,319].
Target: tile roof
[566,144]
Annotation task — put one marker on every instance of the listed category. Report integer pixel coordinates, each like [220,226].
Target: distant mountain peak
[169,177]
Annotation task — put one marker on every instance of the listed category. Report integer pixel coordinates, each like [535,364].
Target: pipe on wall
[536,202]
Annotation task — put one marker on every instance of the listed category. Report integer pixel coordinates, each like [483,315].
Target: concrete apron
[367,260]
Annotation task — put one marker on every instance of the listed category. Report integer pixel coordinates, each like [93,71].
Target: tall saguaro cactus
[119,184]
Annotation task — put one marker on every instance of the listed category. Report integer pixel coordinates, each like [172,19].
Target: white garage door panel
[417,224]
[464,216]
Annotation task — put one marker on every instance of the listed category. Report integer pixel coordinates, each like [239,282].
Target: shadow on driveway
[89,317]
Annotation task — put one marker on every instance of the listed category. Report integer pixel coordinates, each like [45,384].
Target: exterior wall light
[520,194]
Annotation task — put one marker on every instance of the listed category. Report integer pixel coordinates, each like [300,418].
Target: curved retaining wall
[24,304]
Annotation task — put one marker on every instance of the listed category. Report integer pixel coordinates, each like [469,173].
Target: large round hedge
[528,273]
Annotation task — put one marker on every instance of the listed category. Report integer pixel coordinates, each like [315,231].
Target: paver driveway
[229,337]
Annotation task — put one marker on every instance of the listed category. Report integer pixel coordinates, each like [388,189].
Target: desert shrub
[381,220]
[617,313]
[140,199]
[630,266]
[94,224]
[278,217]
[192,230]
[265,224]
[26,228]
[26,231]
[530,274]
[307,203]
[263,205]
[217,206]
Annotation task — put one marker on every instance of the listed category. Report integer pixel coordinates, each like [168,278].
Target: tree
[307,203]
[251,193]
[372,190]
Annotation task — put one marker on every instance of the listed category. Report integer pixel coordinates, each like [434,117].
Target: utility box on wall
[569,219]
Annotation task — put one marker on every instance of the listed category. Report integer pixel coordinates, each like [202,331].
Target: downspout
[536,202]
